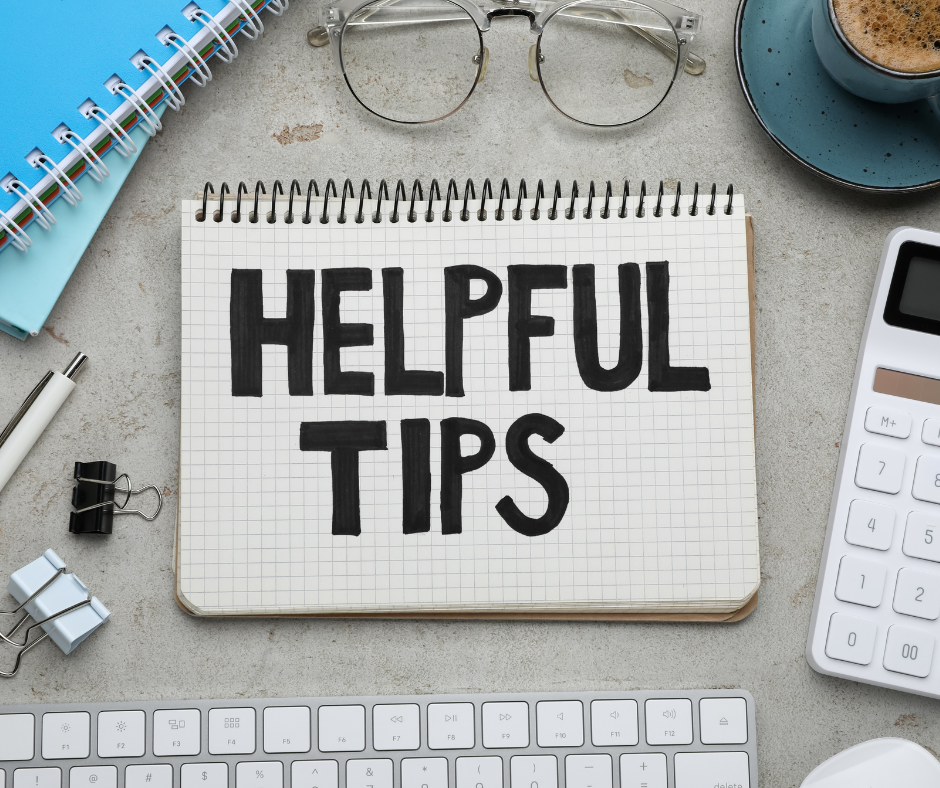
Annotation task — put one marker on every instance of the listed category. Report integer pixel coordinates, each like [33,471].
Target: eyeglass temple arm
[694,64]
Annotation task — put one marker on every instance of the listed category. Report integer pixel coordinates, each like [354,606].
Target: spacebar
[708,769]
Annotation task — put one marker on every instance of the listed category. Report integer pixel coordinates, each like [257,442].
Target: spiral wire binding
[174,96]
[148,118]
[453,194]
[125,145]
[43,215]
[97,169]
[252,20]
[15,233]
[227,50]
[201,74]
[67,187]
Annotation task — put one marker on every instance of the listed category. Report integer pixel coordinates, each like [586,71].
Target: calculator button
[861,582]
[613,722]
[231,731]
[93,777]
[259,774]
[708,769]
[65,735]
[156,776]
[888,422]
[588,771]
[879,469]
[342,728]
[16,737]
[315,774]
[533,771]
[851,639]
[506,724]
[287,729]
[922,537]
[643,771]
[176,732]
[37,778]
[450,726]
[204,775]
[560,723]
[120,734]
[931,432]
[395,726]
[369,773]
[669,721]
[480,772]
[870,525]
[723,720]
[917,594]
[927,479]
[909,651]
[423,773]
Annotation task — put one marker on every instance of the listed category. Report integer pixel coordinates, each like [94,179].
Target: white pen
[34,416]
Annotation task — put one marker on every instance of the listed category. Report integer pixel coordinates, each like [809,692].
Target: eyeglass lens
[598,66]
[411,61]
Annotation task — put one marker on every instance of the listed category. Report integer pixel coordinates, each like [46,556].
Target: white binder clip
[59,603]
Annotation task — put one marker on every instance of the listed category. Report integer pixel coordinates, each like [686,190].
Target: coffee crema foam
[902,36]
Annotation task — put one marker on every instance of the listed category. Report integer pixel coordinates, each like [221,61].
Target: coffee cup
[884,52]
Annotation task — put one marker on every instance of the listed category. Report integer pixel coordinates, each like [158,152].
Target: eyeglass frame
[334,17]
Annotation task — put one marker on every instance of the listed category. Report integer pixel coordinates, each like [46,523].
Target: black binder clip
[94,498]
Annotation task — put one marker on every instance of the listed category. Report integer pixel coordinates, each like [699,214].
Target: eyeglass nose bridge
[511,11]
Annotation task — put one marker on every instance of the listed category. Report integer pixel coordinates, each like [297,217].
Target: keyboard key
[927,479]
[450,726]
[177,732]
[342,728]
[723,720]
[16,737]
[861,582]
[396,726]
[314,774]
[879,469]
[588,771]
[643,771]
[121,734]
[851,639]
[157,776]
[533,771]
[204,775]
[424,773]
[870,525]
[93,777]
[922,537]
[892,423]
[65,735]
[917,594]
[37,778]
[506,724]
[480,772]
[231,731]
[931,432]
[560,723]
[669,721]
[287,729]
[908,651]
[708,769]
[614,722]
[369,773]
[259,774]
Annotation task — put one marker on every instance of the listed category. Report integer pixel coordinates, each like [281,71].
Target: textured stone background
[281,111]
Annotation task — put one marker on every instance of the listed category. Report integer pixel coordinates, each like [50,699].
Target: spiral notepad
[452,402]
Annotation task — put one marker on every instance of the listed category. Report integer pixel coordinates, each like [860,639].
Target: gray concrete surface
[817,250]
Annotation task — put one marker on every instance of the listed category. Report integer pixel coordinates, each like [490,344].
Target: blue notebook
[43,87]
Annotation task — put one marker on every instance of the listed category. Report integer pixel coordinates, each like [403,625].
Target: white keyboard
[878,595]
[670,739]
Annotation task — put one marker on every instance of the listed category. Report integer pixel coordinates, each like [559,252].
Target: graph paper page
[661,498]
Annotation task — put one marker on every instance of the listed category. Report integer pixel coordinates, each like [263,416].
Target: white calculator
[875,618]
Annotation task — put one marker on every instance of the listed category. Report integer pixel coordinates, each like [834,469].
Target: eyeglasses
[599,62]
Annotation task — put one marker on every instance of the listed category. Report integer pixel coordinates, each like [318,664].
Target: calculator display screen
[901,384]
[914,296]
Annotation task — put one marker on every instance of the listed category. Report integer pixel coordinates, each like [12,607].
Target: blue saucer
[885,148]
